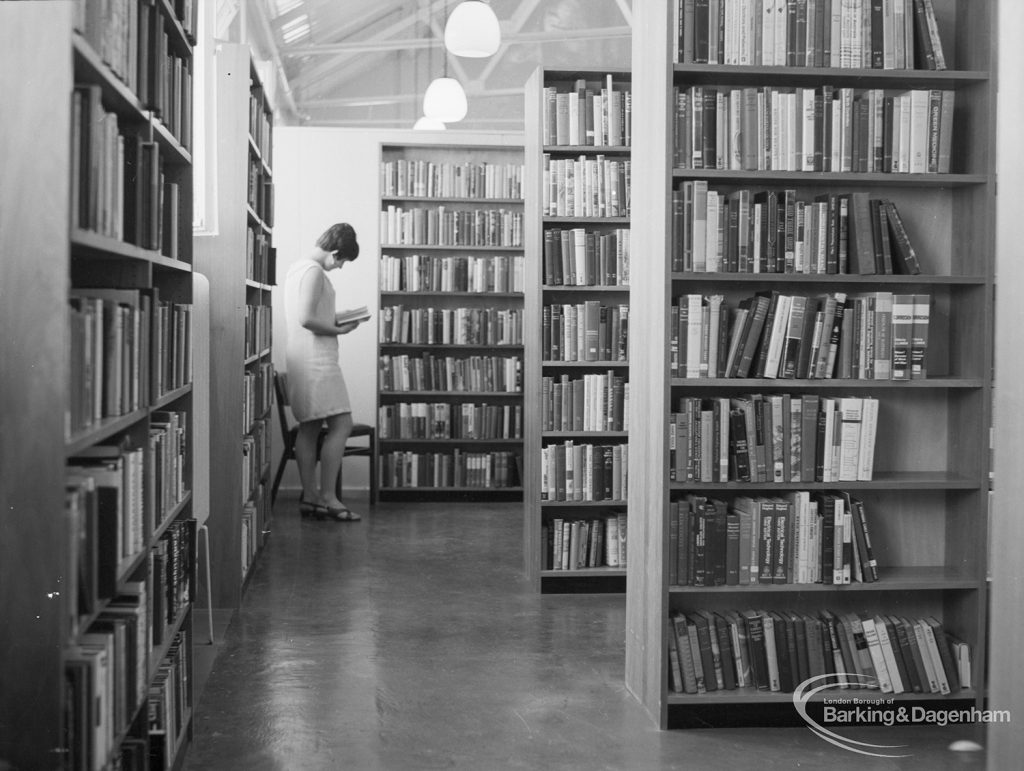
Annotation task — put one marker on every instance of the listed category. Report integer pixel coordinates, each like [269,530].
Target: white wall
[328,175]
[1006,623]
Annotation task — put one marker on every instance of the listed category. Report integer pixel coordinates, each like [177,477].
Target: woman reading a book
[315,386]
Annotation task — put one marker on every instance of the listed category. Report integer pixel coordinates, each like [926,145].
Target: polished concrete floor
[411,641]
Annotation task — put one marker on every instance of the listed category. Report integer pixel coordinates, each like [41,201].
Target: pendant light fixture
[445,99]
[472,30]
[429,124]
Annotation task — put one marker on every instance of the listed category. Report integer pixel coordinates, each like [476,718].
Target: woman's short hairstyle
[340,238]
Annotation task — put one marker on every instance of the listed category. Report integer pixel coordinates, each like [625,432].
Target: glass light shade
[445,100]
[429,124]
[472,30]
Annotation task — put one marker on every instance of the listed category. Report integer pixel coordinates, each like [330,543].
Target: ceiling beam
[370,46]
[383,99]
[315,72]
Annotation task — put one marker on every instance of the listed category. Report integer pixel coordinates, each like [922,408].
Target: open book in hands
[352,316]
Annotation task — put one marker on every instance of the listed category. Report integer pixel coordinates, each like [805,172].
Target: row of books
[169,702]
[585,187]
[444,420]
[260,124]
[779,650]
[451,373]
[106,678]
[256,513]
[796,538]
[768,231]
[773,438]
[131,39]
[582,257]
[111,501]
[451,326]
[581,471]
[255,457]
[590,113]
[436,273]
[484,470]
[172,96]
[260,256]
[173,565]
[870,336]
[828,128]
[597,402]
[445,179]
[587,331]
[260,192]
[896,34]
[118,186]
[128,349]
[258,329]
[575,544]
[116,497]
[257,393]
[444,226]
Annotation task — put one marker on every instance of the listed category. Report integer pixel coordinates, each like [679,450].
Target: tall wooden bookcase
[238,261]
[451,291]
[548,289]
[105,579]
[928,493]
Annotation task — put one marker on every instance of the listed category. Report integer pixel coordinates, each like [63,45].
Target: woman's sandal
[306,509]
[339,514]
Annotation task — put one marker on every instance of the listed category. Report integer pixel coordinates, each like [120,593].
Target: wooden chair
[290,430]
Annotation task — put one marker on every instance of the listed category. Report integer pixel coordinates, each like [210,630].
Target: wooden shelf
[830,279]
[90,68]
[463,395]
[460,295]
[846,384]
[830,178]
[397,163]
[754,696]
[892,480]
[171,396]
[451,248]
[105,429]
[455,346]
[587,149]
[241,173]
[442,199]
[891,579]
[256,357]
[43,59]
[585,364]
[552,220]
[603,572]
[581,504]
[85,243]
[538,224]
[585,289]
[584,434]
[452,442]
[736,75]
[928,527]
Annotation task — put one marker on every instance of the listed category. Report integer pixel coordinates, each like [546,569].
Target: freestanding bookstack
[818,198]
[578,322]
[98,539]
[239,263]
[450,326]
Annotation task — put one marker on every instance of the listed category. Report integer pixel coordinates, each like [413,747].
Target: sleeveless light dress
[316,387]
